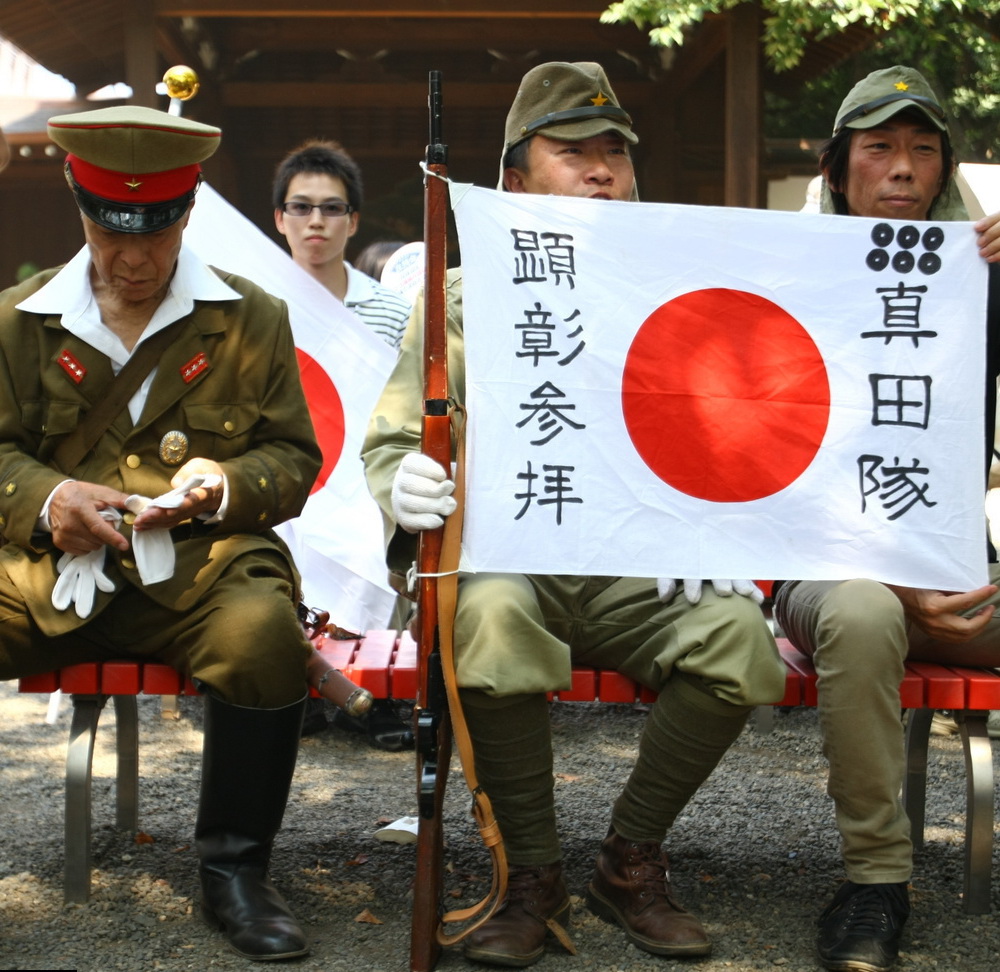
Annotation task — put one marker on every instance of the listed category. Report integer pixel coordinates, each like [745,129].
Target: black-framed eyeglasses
[295,207]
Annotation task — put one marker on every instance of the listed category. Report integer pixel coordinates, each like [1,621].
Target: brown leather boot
[631,887]
[536,904]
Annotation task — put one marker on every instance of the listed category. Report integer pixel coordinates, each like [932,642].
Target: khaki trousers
[517,637]
[858,637]
[243,640]
[519,634]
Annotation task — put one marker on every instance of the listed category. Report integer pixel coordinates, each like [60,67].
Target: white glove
[154,549]
[82,575]
[666,587]
[421,493]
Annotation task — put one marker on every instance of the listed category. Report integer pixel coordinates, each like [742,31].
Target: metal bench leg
[978,811]
[918,731]
[79,759]
[763,718]
[127,743]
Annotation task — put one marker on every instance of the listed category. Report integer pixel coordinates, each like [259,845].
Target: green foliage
[788,24]
[954,43]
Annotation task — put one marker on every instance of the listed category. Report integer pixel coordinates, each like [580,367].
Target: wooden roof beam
[466,9]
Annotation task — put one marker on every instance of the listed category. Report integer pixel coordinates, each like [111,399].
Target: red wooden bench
[386,665]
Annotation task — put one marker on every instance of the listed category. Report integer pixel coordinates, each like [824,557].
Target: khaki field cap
[568,102]
[133,169]
[876,98]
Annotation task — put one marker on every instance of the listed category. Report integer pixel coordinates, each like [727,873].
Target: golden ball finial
[181,82]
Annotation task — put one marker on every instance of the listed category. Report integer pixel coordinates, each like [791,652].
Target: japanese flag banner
[337,540]
[676,391]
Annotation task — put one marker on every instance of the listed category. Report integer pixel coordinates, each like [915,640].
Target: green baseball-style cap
[566,101]
[133,169]
[882,94]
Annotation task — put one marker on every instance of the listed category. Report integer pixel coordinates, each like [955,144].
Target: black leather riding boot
[247,765]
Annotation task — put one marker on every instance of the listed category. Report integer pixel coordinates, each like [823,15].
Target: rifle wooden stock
[433,726]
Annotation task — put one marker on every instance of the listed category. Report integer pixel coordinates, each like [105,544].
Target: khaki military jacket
[395,425]
[229,382]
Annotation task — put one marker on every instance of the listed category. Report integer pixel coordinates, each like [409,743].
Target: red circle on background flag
[327,413]
[725,395]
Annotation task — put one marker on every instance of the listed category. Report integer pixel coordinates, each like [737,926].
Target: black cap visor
[131,218]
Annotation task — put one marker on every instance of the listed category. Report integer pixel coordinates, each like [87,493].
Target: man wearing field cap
[152,432]
[705,648]
[890,157]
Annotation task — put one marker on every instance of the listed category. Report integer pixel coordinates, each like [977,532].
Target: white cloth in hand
[82,575]
[421,493]
[154,549]
[666,587]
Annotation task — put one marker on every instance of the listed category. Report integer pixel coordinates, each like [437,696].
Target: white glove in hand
[421,494]
[666,587]
[154,549]
[82,575]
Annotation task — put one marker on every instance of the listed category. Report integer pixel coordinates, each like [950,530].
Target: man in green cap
[153,430]
[703,647]
[890,157]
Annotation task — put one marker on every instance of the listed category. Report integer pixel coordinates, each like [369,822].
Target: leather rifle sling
[71,451]
[482,810]
[447,592]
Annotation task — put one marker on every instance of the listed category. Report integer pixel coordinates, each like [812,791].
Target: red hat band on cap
[145,187]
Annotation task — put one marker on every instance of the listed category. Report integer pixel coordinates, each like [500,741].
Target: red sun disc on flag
[725,395]
[327,413]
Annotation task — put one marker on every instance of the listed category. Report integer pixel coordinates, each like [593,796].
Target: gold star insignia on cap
[133,185]
[902,86]
[599,100]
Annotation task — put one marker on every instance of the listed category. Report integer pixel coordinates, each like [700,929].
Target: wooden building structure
[273,74]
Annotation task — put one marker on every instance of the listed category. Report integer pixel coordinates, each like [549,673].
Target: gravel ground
[755,856]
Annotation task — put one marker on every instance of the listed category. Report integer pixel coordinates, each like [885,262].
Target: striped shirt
[385,311]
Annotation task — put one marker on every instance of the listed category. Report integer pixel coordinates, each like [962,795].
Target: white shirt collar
[360,287]
[68,292]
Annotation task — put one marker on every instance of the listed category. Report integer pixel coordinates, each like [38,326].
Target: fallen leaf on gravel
[368,918]
[141,838]
[183,847]
[568,777]
[357,861]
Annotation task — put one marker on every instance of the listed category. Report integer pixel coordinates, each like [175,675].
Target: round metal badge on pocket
[173,448]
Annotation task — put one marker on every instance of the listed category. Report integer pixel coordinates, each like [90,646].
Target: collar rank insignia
[71,366]
[194,367]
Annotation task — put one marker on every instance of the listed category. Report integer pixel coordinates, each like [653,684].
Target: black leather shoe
[383,724]
[241,901]
[861,927]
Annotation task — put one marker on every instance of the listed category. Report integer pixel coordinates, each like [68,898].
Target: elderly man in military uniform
[890,157]
[704,648]
[153,430]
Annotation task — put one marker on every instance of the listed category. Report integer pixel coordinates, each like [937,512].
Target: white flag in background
[337,541]
[676,391]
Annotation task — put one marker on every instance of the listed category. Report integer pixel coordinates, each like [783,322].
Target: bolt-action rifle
[433,725]
[437,710]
